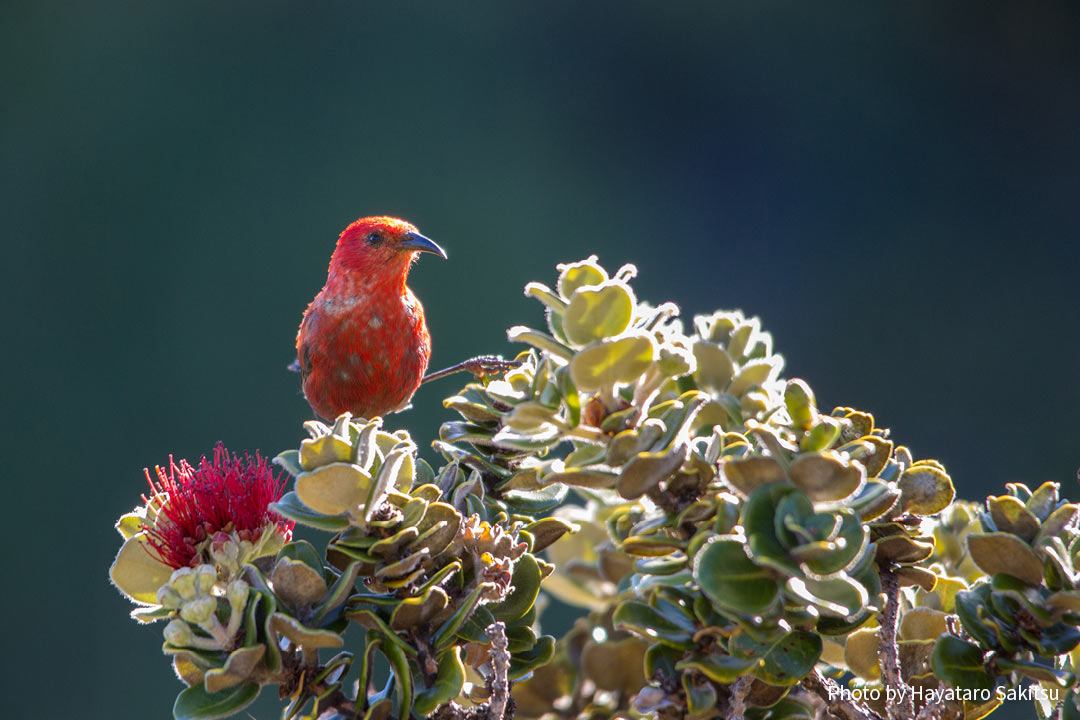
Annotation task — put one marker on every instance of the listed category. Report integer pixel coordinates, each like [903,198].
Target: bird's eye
[374,239]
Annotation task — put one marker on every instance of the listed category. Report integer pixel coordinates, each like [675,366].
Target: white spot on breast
[346,301]
[375,322]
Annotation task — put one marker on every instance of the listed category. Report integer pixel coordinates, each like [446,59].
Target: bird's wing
[308,330]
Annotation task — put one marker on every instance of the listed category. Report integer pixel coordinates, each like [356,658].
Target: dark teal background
[892,187]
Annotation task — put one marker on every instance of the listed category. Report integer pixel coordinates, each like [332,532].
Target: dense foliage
[735,551]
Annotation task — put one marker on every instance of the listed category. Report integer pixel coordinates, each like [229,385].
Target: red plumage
[363,345]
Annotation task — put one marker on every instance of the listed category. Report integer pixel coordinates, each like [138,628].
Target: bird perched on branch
[363,345]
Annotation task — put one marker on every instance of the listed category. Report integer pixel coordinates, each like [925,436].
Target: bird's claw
[481,367]
[486,365]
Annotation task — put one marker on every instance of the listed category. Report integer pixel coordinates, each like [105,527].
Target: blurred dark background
[892,187]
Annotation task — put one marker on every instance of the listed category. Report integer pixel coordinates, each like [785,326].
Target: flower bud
[244,550]
[237,593]
[183,582]
[169,598]
[200,610]
[178,633]
[225,551]
[205,577]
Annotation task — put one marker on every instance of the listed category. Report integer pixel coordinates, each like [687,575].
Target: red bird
[363,345]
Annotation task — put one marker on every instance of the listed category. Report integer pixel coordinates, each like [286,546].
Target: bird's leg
[480,366]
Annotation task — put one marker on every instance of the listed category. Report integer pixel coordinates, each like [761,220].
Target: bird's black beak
[418,243]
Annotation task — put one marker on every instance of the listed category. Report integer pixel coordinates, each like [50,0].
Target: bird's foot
[481,367]
[485,365]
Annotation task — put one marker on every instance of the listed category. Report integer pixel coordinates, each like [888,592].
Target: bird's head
[380,246]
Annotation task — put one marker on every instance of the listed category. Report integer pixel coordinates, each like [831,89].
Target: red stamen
[226,494]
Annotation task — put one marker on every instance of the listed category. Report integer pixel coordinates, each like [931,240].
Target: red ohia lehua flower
[222,499]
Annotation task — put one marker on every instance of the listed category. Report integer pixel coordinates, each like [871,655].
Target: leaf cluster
[734,548]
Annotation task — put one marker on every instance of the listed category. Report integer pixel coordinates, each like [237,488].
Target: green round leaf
[334,489]
[630,442]
[653,545]
[921,623]
[649,469]
[758,517]
[540,341]
[447,685]
[414,611]
[299,634]
[878,457]
[1005,553]
[672,628]
[861,653]
[747,474]
[731,580]
[847,545]
[581,477]
[290,506]
[196,703]
[754,372]
[546,531]
[536,501]
[1057,522]
[925,490]
[700,694]
[960,664]
[526,586]
[297,583]
[579,274]
[238,668]
[543,293]
[800,403]
[821,435]
[607,362]
[780,663]
[826,477]
[598,311]
[1036,671]
[324,450]
[724,669]
[902,549]
[525,662]
[137,572]
[910,575]
[529,415]
[971,607]
[1043,500]
[714,367]
[836,594]
[615,665]
[1010,515]
[130,524]
[874,499]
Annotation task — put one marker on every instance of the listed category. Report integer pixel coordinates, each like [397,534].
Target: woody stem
[500,662]
[900,704]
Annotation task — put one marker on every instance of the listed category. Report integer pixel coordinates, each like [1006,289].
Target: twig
[499,659]
[737,704]
[900,701]
[838,701]
[932,711]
